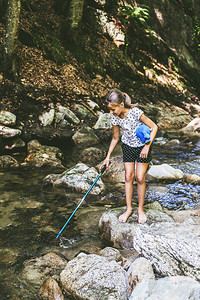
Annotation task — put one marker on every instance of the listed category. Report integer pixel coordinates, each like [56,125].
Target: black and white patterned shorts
[132,154]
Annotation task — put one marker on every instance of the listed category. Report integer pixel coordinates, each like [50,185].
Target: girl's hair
[117,97]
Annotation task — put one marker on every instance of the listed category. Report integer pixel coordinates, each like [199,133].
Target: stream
[31,215]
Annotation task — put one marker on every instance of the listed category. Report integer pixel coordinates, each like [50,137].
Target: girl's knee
[140,179]
[129,177]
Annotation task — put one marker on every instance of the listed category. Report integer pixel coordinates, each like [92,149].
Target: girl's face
[115,109]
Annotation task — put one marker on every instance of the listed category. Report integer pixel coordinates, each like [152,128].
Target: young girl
[128,118]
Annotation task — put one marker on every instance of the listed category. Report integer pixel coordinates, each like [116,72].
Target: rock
[164,172]
[43,156]
[104,122]
[195,124]
[47,117]
[19,143]
[80,177]
[92,155]
[68,115]
[139,270]
[115,171]
[85,135]
[38,269]
[94,277]
[7,132]
[176,287]
[50,290]
[111,253]
[93,105]
[192,178]
[60,120]
[171,143]
[82,112]
[33,145]
[181,215]
[7,118]
[173,249]
[7,161]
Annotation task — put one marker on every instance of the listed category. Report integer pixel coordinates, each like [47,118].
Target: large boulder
[94,277]
[176,287]
[172,248]
[80,177]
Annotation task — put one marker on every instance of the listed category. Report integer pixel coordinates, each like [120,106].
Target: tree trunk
[75,18]
[10,40]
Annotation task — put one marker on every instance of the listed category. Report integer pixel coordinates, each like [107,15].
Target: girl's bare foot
[141,217]
[123,218]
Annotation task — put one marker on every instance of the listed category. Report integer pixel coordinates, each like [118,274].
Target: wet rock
[50,290]
[47,117]
[92,155]
[140,269]
[7,161]
[176,287]
[164,172]
[85,136]
[7,132]
[38,269]
[171,143]
[80,177]
[94,277]
[172,248]
[68,115]
[7,118]
[104,122]
[43,156]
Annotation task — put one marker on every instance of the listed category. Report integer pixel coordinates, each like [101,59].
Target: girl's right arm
[113,143]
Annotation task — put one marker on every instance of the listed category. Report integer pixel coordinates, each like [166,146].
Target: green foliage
[138,15]
[196,34]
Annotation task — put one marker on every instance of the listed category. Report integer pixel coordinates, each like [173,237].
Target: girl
[129,118]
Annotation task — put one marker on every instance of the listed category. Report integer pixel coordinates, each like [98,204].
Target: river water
[31,215]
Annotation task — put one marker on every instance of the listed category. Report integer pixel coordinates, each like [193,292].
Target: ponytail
[117,97]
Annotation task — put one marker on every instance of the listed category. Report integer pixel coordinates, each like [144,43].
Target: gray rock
[139,270]
[19,143]
[7,132]
[85,136]
[93,105]
[68,115]
[82,112]
[111,253]
[163,172]
[80,177]
[104,122]
[50,290]
[174,249]
[47,117]
[32,145]
[94,277]
[38,269]
[7,118]
[175,288]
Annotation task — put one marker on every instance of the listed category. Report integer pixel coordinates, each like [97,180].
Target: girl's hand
[106,162]
[144,152]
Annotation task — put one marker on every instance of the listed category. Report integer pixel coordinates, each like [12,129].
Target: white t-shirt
[129,125]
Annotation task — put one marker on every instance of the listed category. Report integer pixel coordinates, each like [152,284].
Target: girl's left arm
[152,125]
[154,128]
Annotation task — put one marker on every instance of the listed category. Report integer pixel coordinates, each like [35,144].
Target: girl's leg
[129,177]
[141,169]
